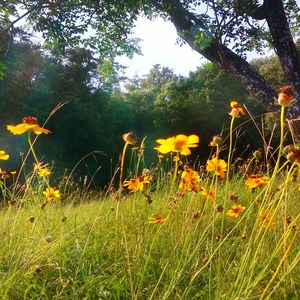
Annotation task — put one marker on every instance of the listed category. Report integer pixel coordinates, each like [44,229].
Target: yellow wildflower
[218,165]
[179,143]
[29,124]
[235,210]
[51,194]
[209,194]
[189,180]
[44,172]
[137,184]
[4,155]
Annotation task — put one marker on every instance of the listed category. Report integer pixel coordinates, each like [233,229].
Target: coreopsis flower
[189,180]
[285,95]
[217,165]
[29,124]
[235,210]
[209,194]
[292,153]
[137,184]
[216,140]
[236,109]
[179,144]
[266,219]
[129,138]
[4,155]
[256,180]
[44,172]
[157,219]
[51,194]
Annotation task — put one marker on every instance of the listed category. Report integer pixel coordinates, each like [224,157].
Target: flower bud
[129,138]
[285,95]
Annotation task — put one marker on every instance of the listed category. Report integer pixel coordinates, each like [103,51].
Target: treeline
[99,110]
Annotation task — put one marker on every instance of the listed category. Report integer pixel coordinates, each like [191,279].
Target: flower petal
[193,139]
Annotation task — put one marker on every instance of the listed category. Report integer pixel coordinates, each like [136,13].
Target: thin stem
[32,149]
[175,171]
[281,141]
[230,150]
[122,166]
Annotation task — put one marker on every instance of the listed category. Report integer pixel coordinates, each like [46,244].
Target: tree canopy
[220,30]
[156,105]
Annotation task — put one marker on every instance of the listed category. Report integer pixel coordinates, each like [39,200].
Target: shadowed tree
[220,30]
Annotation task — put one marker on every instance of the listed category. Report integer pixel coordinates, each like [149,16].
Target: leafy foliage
[97,113]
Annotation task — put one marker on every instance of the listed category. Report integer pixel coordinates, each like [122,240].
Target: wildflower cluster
[30,124]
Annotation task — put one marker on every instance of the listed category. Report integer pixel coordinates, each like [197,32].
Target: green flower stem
[175,171]
[229,152]
[122,166]
[281,141]
[32,149]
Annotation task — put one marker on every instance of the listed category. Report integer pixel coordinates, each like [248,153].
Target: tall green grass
[106,249]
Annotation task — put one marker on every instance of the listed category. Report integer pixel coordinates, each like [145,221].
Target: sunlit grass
[78,251]
[222,230]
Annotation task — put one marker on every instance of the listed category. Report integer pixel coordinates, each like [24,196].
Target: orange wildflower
[189,180]
[285,95]
[157,219]
[236,109]
[292,153]
[256,180]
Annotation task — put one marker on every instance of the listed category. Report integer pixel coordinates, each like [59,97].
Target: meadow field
[227,228]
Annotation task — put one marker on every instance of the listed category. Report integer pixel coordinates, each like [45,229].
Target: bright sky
[159,46]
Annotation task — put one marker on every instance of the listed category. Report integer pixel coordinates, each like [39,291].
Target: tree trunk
[189,30]
[287,52]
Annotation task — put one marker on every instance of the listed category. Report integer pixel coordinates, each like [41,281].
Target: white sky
[159,46]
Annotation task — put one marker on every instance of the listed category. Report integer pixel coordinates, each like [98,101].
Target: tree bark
[287,53]
[187,27]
